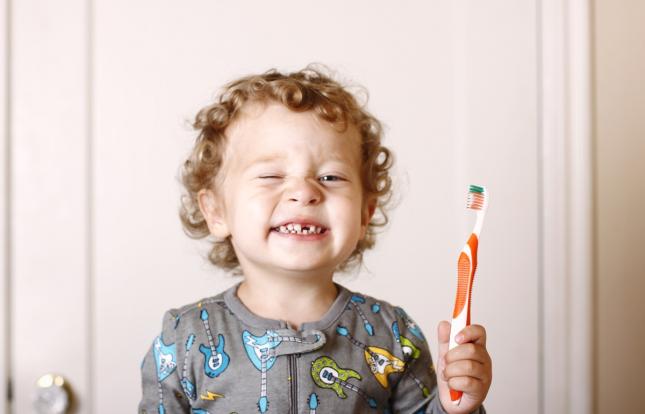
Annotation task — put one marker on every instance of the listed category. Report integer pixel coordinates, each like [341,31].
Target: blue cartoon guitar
[165,362]
[215,359]
[187,385]
[258,349]
[409,323]
[356,300]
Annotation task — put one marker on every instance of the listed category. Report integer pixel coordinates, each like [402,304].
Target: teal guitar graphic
[166,362]
[327,374]
[258,349]
[410,351]
[187,385]
[356,300]
[165,358]
[410,324]
[215,359]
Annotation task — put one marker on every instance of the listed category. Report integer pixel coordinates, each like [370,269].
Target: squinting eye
[330,178]
[270,176]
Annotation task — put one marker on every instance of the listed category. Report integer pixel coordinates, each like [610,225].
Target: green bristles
[476,189]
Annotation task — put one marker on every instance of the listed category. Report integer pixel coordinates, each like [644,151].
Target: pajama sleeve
[416,392]
[162,391]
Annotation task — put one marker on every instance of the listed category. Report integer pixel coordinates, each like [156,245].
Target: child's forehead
[260,114]
[267,131]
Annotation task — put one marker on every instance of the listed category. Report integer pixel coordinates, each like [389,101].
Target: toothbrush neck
[479,223]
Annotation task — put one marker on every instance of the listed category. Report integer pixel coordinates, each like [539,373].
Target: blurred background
[541,101]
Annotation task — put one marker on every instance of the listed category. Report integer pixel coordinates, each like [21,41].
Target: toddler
[286,174]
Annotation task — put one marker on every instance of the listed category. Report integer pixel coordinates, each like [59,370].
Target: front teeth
[297,229]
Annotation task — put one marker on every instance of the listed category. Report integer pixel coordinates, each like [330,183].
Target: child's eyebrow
[279,157]
[267,158]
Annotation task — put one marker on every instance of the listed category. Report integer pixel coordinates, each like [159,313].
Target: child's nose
[304,191]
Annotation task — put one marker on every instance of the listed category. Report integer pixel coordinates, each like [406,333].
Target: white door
[101,95]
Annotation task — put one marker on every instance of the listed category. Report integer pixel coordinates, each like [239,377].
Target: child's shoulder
[395,314]
[199,309]
[376,305]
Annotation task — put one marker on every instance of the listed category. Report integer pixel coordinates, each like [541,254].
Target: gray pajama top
[363,356]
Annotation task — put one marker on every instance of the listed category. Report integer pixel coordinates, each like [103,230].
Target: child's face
[280,167]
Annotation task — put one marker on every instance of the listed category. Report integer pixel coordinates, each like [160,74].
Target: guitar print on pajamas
[376,308]
[410,324]
[381,361]
[187,385]
[259,349]
[215,359]
[166,362]
[327,374]
[410,351]
[356,300]
[312,401]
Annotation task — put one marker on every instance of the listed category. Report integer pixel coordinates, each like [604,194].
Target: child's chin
[305,266]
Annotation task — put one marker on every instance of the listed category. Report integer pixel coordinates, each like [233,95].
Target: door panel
[50,234]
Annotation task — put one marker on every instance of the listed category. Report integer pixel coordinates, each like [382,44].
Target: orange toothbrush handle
[461,314]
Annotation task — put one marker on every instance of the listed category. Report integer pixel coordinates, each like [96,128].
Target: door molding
[5,287]
[565,146]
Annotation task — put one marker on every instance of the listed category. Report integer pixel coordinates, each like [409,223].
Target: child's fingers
[468,385]
[468,351]
[466,368]
[472,333]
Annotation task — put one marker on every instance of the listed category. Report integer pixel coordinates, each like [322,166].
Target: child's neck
[294,301]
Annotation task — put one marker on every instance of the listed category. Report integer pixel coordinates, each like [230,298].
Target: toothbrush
[478,201]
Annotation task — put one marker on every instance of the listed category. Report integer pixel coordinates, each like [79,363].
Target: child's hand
[467,368]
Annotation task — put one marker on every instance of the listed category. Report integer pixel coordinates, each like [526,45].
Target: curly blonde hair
[306,90]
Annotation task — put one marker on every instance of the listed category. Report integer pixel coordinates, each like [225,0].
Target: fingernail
[459,338]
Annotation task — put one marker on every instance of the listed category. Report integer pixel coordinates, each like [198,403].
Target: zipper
[293,386]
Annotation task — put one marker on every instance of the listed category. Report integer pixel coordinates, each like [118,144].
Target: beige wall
[619,65]
[456,83]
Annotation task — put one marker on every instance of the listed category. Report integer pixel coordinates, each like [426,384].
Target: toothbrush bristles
[477,198]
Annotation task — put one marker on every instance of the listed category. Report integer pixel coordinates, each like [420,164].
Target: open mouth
[303,229]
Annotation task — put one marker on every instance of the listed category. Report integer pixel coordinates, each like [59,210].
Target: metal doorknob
[53,395]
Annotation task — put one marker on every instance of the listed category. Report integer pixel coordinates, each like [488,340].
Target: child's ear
[213,211]
[368,211]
